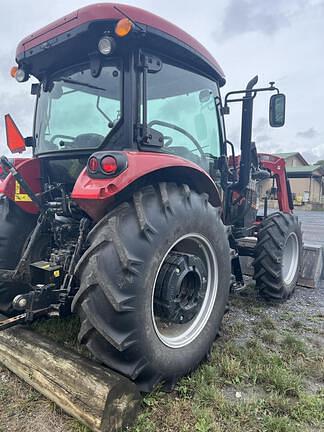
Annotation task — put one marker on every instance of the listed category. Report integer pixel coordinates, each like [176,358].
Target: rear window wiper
[71,81]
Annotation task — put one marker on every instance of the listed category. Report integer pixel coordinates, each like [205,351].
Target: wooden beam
[98,397]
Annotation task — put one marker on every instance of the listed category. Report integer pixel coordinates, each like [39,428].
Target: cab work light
[106,45]
[19,74]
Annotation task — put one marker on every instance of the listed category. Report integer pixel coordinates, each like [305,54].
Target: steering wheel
[178,129]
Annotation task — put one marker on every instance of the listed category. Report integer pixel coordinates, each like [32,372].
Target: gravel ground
[313,226]
[306,307]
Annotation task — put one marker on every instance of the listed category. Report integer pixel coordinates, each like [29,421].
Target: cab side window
[181,105]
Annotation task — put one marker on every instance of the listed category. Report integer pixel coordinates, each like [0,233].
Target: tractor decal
[19,196]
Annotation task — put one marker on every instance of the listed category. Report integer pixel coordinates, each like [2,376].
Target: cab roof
[112,11]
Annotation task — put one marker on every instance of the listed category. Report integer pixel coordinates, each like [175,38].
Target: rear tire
[118,275]
[278,256]
[15,228]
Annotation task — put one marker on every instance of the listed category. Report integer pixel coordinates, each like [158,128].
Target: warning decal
[22,197]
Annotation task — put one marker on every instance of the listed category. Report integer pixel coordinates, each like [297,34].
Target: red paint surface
[106,11]
[94,195]
[30,170]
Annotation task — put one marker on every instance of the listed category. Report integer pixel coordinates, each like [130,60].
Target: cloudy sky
[280,40]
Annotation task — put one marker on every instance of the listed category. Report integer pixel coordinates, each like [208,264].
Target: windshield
[78,111]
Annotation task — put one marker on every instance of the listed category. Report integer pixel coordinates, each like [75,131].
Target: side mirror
[15,140]
[277,110]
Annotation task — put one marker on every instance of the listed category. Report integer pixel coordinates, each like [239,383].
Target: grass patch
[60,330]
[258,383]
[269,337]
[286,316]
[76,426]
[267,323]
[293,346]
[297,325]
[278,424]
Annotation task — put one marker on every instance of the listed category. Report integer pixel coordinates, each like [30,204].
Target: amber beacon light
[123,27]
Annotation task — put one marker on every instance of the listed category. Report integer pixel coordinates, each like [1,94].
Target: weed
[297,325]
[76,426]
[145,423]
[269,337]
[280,379]
[293,346]
[286,316]
[278,424]
[205,421]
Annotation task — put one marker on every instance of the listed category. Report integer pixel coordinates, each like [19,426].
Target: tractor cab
[115,78]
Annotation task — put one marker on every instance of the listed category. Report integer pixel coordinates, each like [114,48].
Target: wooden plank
[98,397]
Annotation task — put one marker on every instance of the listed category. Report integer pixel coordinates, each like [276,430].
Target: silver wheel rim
[290,258]
[180,335]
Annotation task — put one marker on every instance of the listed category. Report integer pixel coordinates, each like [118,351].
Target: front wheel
[154,284]
[278,256]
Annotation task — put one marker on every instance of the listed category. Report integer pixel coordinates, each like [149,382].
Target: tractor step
[246,246]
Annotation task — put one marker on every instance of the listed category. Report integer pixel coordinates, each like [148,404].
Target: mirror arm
[245,92]
[233,158]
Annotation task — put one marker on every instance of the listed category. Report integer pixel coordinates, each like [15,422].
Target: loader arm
[277,167]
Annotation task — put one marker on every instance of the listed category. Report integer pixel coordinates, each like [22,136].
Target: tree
[320,162]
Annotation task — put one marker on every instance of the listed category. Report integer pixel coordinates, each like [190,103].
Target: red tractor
[130,213]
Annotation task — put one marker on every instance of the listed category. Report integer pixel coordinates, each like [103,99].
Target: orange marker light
[13,71]
[123,27]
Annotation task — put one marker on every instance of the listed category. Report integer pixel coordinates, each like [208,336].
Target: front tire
[278,256]
[144,259]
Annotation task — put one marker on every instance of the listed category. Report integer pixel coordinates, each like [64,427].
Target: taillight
[93,164]
[109,165]
[106,164]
